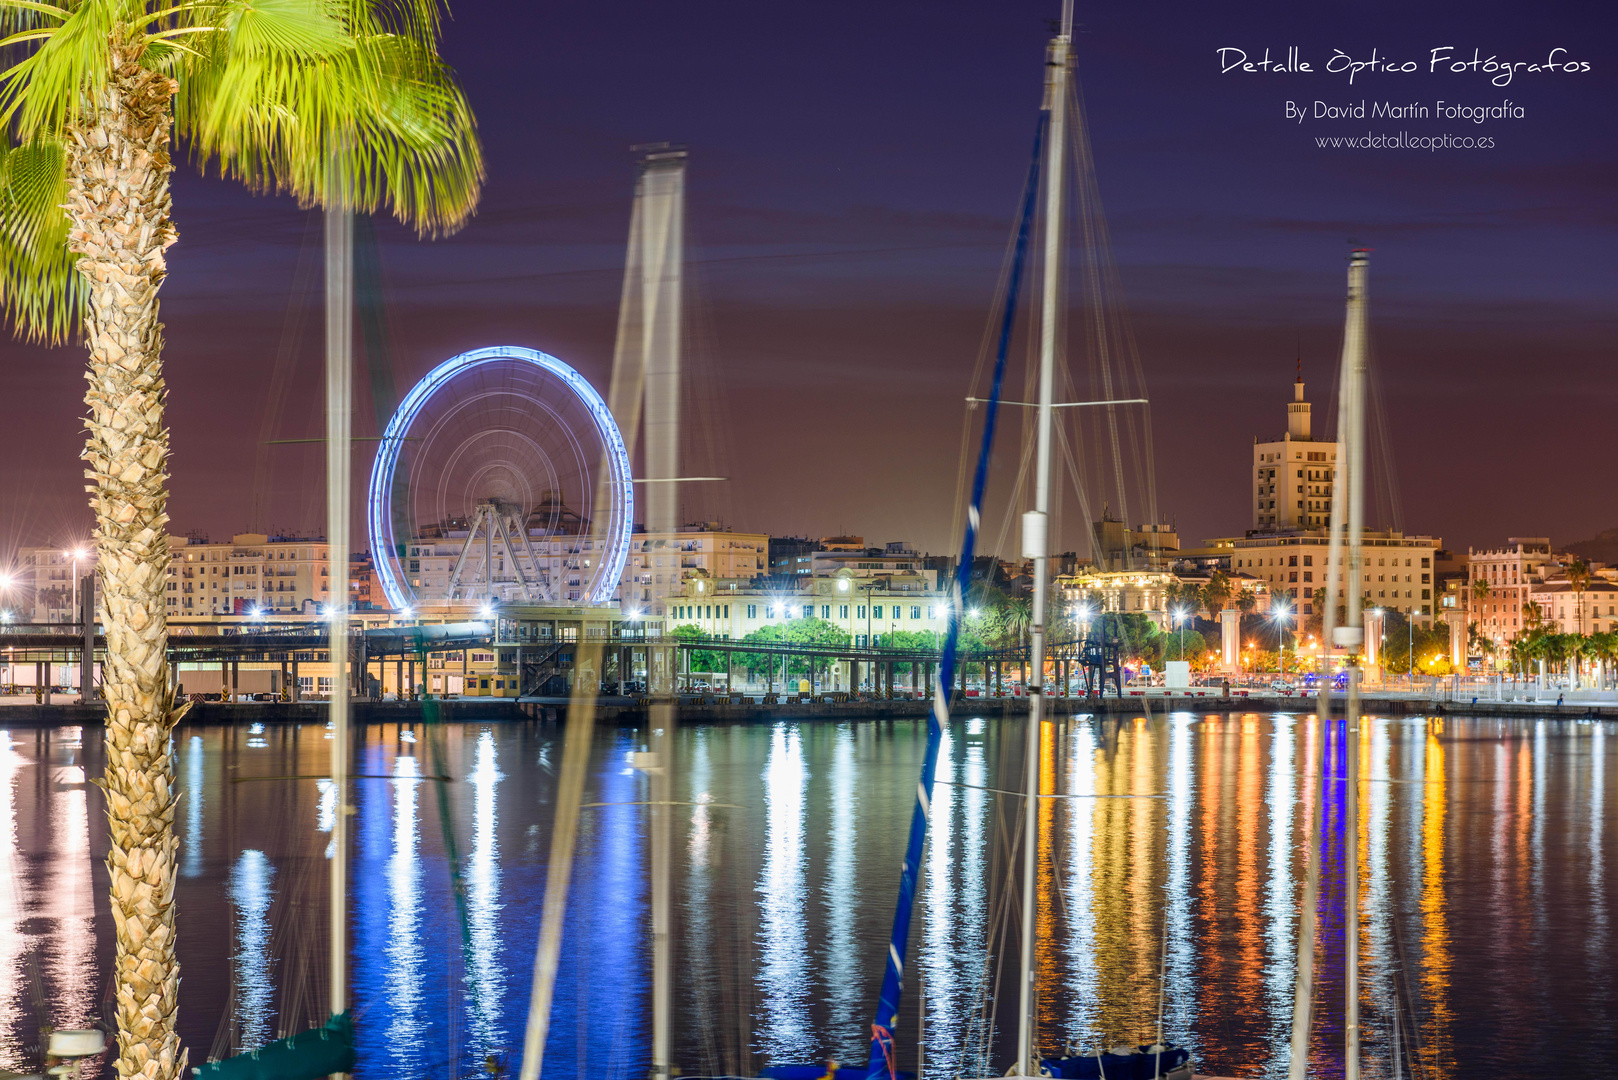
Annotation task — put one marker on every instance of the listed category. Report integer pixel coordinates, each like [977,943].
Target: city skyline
[842,276]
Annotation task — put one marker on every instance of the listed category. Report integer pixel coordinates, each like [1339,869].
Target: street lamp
[1281,613]
[76,554]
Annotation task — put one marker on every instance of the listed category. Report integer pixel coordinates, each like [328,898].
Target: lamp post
[76,554]
[1281,613]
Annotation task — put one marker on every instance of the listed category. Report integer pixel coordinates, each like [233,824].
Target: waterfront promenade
[756,708]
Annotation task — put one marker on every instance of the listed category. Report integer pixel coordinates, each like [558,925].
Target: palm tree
[342,104]
[1533,616]
[1578,576]
[1216,593]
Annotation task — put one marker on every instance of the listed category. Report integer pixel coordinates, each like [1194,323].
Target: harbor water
[1170,869]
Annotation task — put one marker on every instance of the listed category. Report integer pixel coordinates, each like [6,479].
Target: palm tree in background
[345,104]
[1578,578]
[1216,594]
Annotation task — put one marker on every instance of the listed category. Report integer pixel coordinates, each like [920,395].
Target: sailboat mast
[1342,569]
[661,195]
[1352,636]
[339,391]
[1036,533]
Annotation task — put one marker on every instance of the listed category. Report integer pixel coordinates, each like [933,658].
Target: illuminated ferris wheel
[507,459]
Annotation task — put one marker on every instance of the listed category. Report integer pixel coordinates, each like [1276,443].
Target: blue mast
[887,1008]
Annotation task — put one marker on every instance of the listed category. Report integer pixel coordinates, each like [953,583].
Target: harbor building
[1292,475]
[1397,573]
[276,575]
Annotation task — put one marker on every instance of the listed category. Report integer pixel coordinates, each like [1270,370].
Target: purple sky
[854,171]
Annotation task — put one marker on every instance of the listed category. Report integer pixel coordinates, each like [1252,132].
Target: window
[1308,575]
[859,612]
[825,611]
[808,611]
[1308,560]
[842,611]
[752,611]
[915,612]
[1293,576]
[1292,561]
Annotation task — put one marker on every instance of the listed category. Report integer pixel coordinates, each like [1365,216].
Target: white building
[865,608]
[1397,572]
[659,563]
[1292,475]
[276,575]
[42,583]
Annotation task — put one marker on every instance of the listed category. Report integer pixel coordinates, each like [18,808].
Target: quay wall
[697,710]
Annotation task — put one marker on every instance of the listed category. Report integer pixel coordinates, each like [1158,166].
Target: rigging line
[886,1020]
[285,361]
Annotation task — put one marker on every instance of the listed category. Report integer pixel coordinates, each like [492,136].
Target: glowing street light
[1280,616]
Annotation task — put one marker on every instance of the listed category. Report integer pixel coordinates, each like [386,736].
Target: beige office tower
[1292,475]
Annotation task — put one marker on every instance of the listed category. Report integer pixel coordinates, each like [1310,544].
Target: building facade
[866,608]
[1397,574]
[1292,475]
[1511,573]
[272,575]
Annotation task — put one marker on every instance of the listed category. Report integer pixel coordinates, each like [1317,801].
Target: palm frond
[40,292]
[47,90]
[288,96]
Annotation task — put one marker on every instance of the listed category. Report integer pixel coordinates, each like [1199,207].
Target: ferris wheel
[506,465]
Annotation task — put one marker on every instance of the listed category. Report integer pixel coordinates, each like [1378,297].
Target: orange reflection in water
[1436,1047]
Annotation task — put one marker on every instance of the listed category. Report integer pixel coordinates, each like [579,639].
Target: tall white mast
[1352,636]
[660,198]
[339,393]
[1344,575]
[1036,522]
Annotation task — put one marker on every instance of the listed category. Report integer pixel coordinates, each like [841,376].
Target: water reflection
[14,941]
[1482,854]
[405,1016]
[251,964]
[841,895]
[485,971]
[784,1033]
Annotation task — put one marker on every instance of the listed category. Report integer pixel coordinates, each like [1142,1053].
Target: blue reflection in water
[406,1018]
[841,892]
[191,864]
[937,981]
[701,944]
[599,1021]
[785,1034]
[485,972]
[252,967]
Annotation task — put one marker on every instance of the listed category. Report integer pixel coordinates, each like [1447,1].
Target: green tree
[702,660]
[333,103]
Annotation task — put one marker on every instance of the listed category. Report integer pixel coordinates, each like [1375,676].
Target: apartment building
[254,572]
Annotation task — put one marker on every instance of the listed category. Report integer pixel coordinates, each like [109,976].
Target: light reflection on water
[1483,889]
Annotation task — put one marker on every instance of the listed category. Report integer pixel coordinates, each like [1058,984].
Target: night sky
[854,172]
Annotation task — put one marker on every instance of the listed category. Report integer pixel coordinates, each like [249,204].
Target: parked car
[1282,686]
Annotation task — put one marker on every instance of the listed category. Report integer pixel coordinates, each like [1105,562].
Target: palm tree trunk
[119,206]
